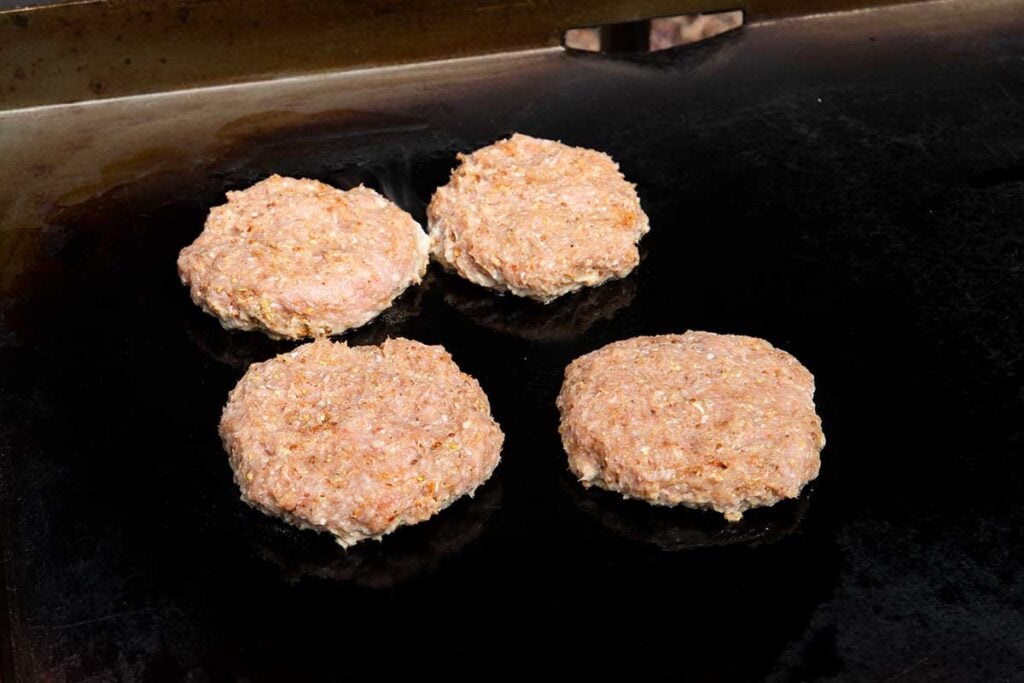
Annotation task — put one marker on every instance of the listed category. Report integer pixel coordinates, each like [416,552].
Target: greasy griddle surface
[855,200]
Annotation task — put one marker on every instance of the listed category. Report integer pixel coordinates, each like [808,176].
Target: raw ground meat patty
[699,419]
[536,218]
[298,258]
[357,441]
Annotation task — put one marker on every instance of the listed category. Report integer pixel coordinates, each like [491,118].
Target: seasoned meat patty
[298,258]
[536,218]
[699,419]
[357,441]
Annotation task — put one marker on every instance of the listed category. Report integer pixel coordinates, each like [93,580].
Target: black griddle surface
[852,194]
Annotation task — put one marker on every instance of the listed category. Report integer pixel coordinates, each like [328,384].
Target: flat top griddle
[848,187]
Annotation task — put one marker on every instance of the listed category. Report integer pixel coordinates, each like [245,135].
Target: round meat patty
[536,218]
[699,419]
[298,258]
[358,441]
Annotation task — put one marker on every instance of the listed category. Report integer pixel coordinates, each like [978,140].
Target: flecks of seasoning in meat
[357,441]
[537,218]
[704,420]
[298,258]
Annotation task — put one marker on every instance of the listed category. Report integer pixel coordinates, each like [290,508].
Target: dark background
[857,202]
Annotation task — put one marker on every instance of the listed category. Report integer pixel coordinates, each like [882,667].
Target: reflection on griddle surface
[398,557]
[564,319]
[680,528]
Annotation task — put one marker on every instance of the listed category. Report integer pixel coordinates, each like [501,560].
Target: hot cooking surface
[850,189]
